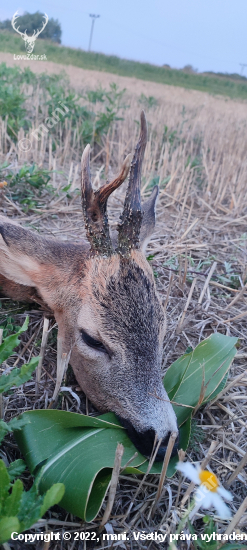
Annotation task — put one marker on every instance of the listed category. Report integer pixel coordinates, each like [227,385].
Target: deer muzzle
[146,441]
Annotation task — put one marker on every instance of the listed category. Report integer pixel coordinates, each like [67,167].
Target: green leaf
[204,368]
[220,387]
[15,423]
[79,451]
[231,546]
[3,429]
[8,526]
[33,505]
[29,512]
[52,496]
[4,484]
[13,501]
[16,468]
[66,188]
[27,506]
[11,342]
[38,425]
[18,376]
[69,444]
[76,450]
[184,434]
[175,373]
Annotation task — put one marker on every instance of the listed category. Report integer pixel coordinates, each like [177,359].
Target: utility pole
[242,65]
[92,26]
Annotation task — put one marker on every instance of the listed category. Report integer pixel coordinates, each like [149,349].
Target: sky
[210,35]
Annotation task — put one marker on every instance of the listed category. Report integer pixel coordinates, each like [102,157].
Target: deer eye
[91,342]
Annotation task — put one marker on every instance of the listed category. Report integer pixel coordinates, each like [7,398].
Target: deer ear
[28,259]
[148,221]
[17,259]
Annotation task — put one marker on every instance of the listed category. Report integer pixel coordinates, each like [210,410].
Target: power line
[92,26]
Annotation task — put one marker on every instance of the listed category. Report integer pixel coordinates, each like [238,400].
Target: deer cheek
[93,390]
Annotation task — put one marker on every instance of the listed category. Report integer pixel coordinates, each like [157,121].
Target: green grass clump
[89,114]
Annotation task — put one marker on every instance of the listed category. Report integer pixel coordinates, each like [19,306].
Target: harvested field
[197,153]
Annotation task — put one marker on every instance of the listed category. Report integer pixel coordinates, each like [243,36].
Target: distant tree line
[32,22]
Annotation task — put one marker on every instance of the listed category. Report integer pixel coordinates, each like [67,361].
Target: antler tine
[86,187]
[44,25]
[131,218]
[94,205]
[13,21]
[106,190]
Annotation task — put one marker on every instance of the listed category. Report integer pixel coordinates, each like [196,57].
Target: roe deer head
[105,303]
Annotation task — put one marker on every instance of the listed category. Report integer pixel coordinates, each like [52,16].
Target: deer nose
[144,441]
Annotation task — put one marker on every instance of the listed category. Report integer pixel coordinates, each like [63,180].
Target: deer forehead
[119,300]
[99,271]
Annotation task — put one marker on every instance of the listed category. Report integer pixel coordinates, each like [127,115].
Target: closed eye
[91,342]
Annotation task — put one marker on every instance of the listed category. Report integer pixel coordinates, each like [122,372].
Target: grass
[233,86]
[196,151]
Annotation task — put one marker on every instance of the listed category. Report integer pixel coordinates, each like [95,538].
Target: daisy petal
[189,471]
[221,508]
[224,493]
[204,497]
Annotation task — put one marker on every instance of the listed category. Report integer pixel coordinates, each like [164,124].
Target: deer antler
[131,218]
[14,18]
[94,205]
[44,25]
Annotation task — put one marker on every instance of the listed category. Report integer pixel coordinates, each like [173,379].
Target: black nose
[144,441]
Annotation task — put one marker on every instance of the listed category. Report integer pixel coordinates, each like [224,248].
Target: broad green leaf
[220,387]
[175,373]
[76,450]
[16,468]
[184,438]
[8,526]
[11,342]
[18,376]
[13,501]
[184,434]
[41,423]
[79,450]
[205,367]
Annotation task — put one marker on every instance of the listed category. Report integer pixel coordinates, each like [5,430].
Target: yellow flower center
[209,480]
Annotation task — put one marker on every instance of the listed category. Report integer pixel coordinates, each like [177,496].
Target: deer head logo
[29,40]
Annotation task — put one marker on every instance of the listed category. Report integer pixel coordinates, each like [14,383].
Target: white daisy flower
[210,493]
